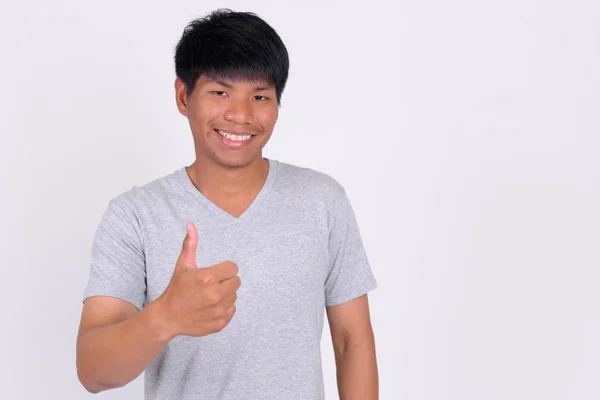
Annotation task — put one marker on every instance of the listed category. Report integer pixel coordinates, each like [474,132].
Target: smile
[234,137]
[237,140]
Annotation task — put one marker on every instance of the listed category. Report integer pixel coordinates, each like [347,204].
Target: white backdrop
[466,134]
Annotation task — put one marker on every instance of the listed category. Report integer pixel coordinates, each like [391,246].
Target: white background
[466,134]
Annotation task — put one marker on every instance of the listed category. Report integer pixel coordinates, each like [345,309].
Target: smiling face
[231,120]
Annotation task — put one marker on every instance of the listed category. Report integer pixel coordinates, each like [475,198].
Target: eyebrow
[256,89]
[269,86]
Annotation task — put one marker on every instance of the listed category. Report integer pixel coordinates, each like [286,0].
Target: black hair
[233,45]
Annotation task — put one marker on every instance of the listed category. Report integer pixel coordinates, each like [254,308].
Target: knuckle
[220,312]
[212,299]
[222,323]
[235,267]
[206,277]
[223,320]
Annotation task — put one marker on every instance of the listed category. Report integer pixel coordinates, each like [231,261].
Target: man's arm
[116,342]
[354,347]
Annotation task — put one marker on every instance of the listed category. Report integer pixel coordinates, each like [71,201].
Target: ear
[181,96]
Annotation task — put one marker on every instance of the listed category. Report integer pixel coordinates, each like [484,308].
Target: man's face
[222,114]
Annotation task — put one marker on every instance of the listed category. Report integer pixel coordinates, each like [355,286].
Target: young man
[236,312]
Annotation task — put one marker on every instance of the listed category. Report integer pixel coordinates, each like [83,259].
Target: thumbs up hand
[198,301]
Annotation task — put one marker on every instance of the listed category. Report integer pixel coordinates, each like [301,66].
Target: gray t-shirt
[297,248]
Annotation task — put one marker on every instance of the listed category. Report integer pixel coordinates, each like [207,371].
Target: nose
[239,112]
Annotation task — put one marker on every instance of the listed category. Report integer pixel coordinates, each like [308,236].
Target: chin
[239,161]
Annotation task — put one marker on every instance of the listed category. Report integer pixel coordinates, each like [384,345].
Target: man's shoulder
[309,181]
[145,194]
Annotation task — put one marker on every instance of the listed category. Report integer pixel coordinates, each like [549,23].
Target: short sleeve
[350,275]
[118,267]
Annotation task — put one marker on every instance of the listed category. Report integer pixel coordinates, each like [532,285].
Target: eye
[219,92]
[260,97]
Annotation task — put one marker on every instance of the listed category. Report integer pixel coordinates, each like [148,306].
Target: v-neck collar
[218,211]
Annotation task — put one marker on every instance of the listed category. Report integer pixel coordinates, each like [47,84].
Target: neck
[217,180]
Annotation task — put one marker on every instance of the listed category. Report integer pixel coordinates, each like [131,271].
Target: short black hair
[233,45]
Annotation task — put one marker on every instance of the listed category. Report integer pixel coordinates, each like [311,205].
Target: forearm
[112,356]
[357,375]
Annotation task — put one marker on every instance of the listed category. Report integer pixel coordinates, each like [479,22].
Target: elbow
[91,389]
[87,383]
[89,380]
[93,385]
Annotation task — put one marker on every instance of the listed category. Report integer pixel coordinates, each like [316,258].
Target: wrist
[160,325]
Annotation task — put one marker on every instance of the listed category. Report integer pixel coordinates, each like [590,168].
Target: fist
[199,301]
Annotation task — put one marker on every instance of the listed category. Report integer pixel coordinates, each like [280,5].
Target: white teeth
[236,138]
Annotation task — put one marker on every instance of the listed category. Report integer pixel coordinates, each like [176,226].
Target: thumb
[187,257]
